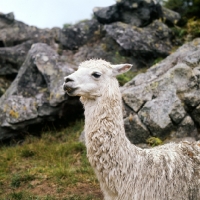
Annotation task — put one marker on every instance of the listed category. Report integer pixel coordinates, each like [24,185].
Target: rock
[141,133]
[136,40]
[162,102]
[155,115]
[107,15]
[187,128]
[177,112]
[104,48]
[170,17]
[11,58]
[36,94]
[7,18]
[14,32]
[166,97]
[116,42]
[72,37]
[16,39]
[139,13]
[135,12]
[135,98]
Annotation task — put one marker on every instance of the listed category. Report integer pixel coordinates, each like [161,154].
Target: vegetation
[187,8]
[53,166]
[188,27]
[124,78]
[154,141]
[67,25]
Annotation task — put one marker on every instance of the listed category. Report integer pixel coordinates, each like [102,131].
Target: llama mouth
[68,89]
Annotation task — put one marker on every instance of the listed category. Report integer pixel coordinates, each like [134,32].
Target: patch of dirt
[80,189]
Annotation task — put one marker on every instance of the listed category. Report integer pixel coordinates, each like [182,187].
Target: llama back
[168,172]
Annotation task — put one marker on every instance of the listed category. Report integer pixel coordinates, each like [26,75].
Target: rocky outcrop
[75,36]
[36,94]
[126,39]
[131,31]
[135,12]
[164,101]
[136,40]
[16,39]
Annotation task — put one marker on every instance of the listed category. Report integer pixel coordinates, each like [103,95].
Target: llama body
[125,171]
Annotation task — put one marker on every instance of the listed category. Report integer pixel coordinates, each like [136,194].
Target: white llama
[168,172]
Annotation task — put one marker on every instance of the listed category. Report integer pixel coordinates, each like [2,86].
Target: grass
[126,77]
[53,166]
[154,141]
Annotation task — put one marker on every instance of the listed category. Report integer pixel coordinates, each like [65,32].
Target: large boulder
[165,99]
[106,15]
[11,58]
[36,94]
[14,32]
[122,41]
[74,36]
[135,12]
[16,39]
[145,44]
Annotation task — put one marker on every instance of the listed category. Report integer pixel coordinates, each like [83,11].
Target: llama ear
[120,69]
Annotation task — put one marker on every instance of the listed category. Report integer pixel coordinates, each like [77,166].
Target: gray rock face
[73,37]
[166,98]
[36,94]
[137,40]
[135,12]
[133,122]
[16,39]
[116,42]
[127,32]
[170,17]
[106,15]
[11,58]
[14,32]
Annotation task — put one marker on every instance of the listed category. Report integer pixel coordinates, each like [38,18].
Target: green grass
[154,141]
[126,77]
[53,166]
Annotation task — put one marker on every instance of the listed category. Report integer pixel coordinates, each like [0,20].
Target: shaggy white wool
[168,172]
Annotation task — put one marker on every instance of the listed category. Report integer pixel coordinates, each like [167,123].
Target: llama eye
[96,74]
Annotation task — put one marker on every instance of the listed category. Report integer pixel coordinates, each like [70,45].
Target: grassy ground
[53,166]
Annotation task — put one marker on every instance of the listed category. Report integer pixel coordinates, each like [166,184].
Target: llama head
[92,78]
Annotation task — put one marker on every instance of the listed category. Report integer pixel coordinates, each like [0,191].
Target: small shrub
[124,78]
[154,141]
[18,179]
[25,153]
[67,25]
[16,196]
[157,60]
[193,27]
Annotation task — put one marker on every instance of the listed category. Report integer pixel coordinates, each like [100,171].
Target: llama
[125,171]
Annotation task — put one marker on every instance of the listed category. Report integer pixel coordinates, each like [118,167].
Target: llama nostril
[67,79]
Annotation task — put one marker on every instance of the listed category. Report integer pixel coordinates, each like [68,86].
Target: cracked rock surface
[36,94]
[165,101]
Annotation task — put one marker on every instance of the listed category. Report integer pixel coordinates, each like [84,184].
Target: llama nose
[67,79]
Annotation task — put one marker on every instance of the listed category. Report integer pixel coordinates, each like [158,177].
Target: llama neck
[104,116]
[107,146]
[104,124]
